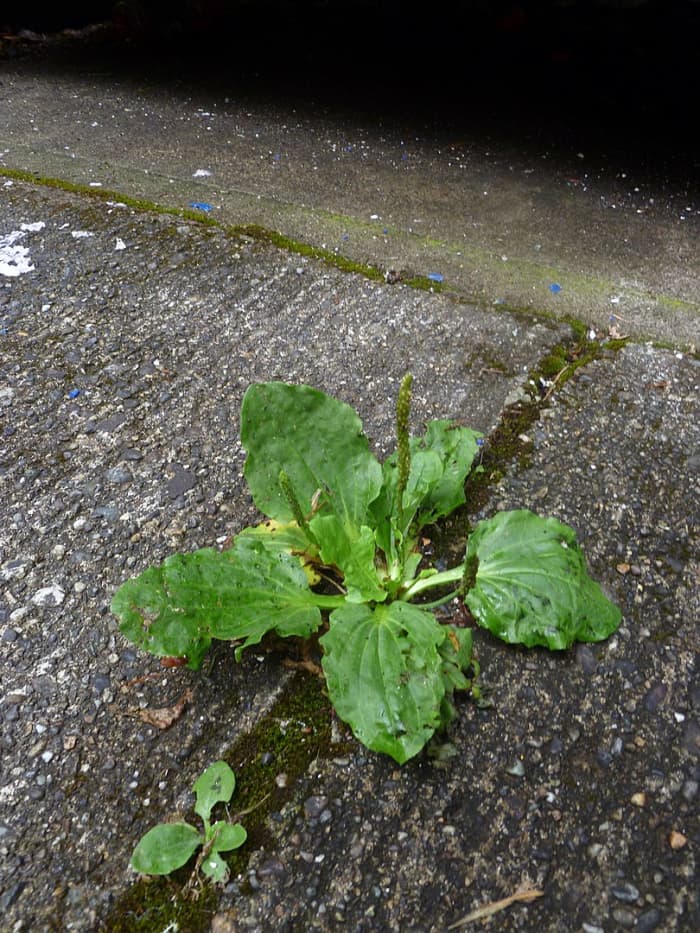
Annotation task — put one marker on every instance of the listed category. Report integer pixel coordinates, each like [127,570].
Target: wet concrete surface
[533,214]
[129,337]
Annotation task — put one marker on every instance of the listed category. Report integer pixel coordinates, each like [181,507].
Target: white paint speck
[80,234]
[14,259]
[201,173]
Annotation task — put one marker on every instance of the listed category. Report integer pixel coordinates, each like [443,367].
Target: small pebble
[626,892]
[655,697]
[648,921]
[586,659]
[624,918]
[118,475]
[49,596]
[314,806]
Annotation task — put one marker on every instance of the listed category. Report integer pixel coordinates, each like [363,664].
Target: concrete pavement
[565,231]
[129,335]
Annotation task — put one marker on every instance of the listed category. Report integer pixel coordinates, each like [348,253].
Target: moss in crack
[295,732]
[264,235]
[103,194]
[252,231]
[159,903]
[509,443]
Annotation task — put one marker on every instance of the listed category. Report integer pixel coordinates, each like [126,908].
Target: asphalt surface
[129,335]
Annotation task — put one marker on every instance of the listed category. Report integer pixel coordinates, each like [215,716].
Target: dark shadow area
[616,77]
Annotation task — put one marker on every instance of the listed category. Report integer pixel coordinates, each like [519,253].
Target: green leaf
[152,610]
[215,785]
[318,442]
[165,847]
[289,537]
[440,463]
[532,586]
[384,675]
[239,594]
[456,654]
[352,551]
[214,867]
[457,447]
[226,836]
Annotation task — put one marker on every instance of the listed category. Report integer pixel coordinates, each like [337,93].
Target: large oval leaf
[165,847]
[384,675]
[532,586]
[317,441]
[240,594]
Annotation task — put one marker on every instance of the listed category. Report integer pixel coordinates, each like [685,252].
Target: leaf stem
[436,579]
[440,602]
[328,601]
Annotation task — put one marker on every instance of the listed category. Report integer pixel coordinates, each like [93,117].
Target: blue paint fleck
[555,287]
[74,393]
[436,277]
[201,206]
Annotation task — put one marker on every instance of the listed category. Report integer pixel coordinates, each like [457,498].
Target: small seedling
[169,846]
[340,553]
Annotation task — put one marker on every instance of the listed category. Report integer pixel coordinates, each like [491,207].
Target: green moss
[154,904]
[508,445]
[102,194]
[262,234]
[423,283]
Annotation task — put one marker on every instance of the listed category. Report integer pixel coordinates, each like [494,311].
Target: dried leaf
[165,716]
[495,906]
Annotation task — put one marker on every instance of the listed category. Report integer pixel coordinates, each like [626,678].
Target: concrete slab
[128,339]
[574,782]
[128,344]
[563,233]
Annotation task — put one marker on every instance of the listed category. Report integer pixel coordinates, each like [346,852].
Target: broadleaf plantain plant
[334,512]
